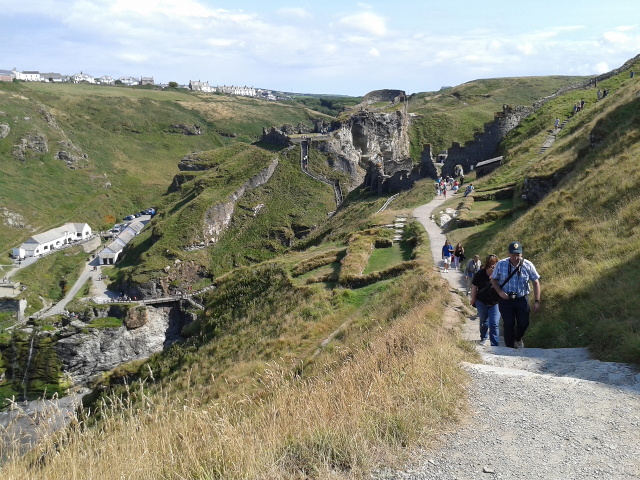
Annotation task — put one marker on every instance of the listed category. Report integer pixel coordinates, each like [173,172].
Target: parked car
[129,217]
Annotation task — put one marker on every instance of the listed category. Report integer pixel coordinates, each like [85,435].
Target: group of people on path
[450,183]
[452,256]
[499,288]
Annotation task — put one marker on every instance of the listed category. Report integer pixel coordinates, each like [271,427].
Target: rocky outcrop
[185,129]
[13,219]
[71,155]
[384,96]
[4,130]
[218,217]
[87,352]
[276,136]
[194,162]
[35,142]
[372,145]
[535,189]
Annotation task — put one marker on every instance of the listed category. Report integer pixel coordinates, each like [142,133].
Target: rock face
[86,352]
[218,217]
[13,219]
[185,129]
[36,142]
[372,145]
[4,130]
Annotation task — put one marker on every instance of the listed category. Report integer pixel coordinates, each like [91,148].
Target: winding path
[533,413]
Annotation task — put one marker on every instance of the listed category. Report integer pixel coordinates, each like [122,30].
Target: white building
[28,76]
[200,86]
[128,81]
[52,239]
[112,252]
[82,77]
[106,80]
[231,90]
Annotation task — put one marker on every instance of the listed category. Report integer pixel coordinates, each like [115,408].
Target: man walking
[510,279]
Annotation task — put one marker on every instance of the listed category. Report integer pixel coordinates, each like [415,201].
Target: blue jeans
[515,315]
[489,322]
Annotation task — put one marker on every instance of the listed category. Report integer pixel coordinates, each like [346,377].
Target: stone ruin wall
[485,144]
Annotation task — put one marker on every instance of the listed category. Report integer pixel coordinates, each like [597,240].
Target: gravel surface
[535,413]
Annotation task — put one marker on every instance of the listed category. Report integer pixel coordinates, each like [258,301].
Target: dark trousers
[515,316]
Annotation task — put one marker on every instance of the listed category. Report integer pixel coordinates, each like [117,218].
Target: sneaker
[519,344]
[482,343]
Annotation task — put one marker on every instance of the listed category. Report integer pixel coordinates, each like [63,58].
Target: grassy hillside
[293,372]
[265,222]
[279,377]
[131,148]
[454,114]
[583,236]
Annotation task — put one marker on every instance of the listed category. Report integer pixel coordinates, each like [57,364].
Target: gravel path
[534,413]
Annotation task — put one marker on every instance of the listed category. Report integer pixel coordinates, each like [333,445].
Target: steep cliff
[372,144]
[86,352]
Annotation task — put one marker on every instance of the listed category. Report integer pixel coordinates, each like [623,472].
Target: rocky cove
[60,358]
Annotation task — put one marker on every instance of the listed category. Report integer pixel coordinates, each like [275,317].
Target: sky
[320,46]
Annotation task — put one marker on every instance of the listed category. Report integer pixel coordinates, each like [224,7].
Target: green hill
[583,234]
[127,143]
[331,357]
[455,114]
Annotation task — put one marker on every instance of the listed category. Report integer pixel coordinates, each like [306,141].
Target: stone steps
[574,363]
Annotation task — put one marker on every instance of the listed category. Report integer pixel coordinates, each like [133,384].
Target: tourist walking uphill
[511,278]
[485,299]
[473,266]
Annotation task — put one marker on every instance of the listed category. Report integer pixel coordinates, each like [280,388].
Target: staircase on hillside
[304,166]
[552,137]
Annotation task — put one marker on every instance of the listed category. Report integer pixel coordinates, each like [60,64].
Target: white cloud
[615,38]
[602,67]
[374,52]
[367,22]
[294,12]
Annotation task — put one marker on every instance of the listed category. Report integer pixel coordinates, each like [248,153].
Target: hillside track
[533,413]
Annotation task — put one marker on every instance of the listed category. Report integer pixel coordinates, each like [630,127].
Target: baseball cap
[515,247]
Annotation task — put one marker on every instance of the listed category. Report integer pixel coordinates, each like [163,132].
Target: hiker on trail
[511,278]
[485,299]
[458,256]
[447,252]
[473,267]
[557,123]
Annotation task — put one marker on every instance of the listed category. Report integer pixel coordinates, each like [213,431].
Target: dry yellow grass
[362,403]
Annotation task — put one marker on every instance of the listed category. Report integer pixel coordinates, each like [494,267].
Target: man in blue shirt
[510,279]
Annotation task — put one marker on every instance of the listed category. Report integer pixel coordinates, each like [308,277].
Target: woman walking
[485,299]
[458,256]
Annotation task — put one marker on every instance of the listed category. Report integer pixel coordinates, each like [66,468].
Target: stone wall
[485,144]
[388,96]
[275,136]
